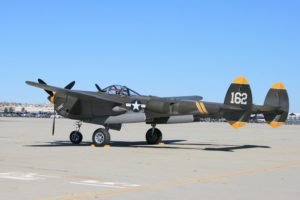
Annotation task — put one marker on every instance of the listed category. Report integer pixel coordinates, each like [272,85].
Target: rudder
[238,96]
[278,99]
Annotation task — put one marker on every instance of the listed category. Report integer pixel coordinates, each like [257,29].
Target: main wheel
[153,136]
[101,137]
[76,137]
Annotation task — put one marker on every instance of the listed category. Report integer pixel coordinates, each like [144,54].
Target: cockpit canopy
[120,90]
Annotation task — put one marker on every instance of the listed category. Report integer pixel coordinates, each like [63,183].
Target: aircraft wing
[75,93]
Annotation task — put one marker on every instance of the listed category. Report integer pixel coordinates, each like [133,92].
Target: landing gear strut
[75,136]
[101,137]
[153,135]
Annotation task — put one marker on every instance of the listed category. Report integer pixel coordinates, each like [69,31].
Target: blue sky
[162,47]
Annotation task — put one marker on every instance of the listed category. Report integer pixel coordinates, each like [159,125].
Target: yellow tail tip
[237,124]
[241,80]
[278,86]
[275,124]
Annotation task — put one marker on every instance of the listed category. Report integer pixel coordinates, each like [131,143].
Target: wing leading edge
[75,93]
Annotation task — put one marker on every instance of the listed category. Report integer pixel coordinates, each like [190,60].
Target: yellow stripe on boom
[199,108]
[203,108]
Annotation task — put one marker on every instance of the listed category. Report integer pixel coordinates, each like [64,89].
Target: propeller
[99,88]
[70,85]
[44,83]
[51,99]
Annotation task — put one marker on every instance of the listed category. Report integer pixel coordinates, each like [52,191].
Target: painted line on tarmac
[175,183]
[20,176]
[24,176]
[95,183]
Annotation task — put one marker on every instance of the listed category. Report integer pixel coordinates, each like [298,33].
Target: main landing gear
[101,137]
[153,135]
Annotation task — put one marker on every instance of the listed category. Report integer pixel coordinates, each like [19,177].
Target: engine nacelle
[158,107]
[184,107]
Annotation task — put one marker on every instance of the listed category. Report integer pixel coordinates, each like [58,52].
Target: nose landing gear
[76,136]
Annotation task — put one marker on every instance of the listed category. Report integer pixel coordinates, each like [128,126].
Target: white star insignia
[136,106]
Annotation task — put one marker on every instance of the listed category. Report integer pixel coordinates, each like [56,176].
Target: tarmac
[196,161]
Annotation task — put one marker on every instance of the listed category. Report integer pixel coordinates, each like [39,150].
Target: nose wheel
[76,137]
[154,136]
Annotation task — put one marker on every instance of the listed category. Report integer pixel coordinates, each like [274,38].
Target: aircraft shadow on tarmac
[167,144]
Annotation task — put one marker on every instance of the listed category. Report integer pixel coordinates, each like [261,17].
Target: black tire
[76,137]
[101,137]
[155,137]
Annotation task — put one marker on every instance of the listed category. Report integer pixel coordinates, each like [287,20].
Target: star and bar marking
[136,106]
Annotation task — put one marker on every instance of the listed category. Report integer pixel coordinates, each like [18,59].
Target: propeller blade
[44,83]
[53,125]
[41,81]
[70,85]
[99,88]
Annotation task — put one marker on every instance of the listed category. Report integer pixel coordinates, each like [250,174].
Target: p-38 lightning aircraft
[115,105]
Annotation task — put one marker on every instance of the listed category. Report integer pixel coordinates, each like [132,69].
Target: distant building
[293,118]
[23,108]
